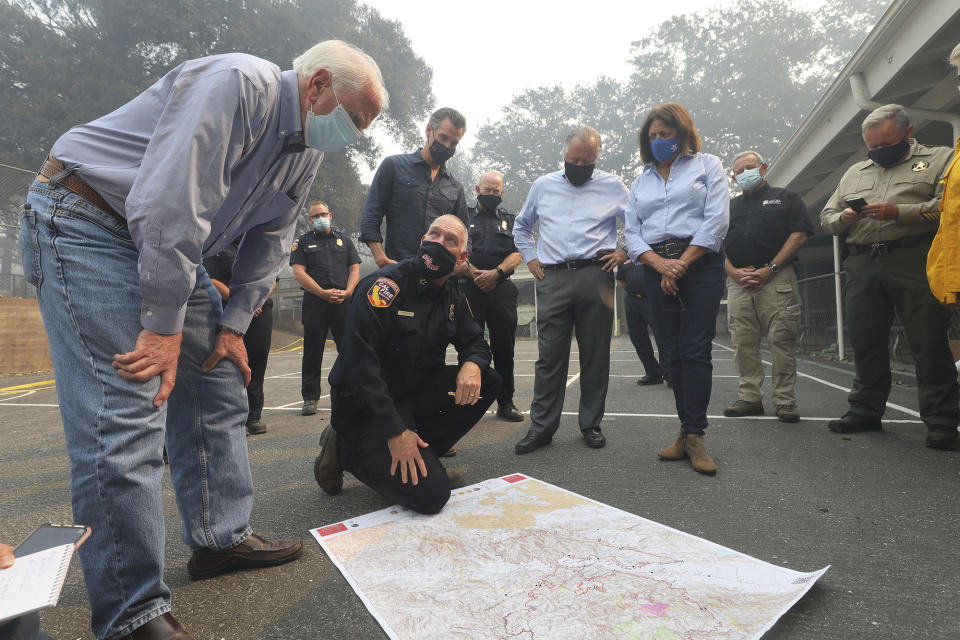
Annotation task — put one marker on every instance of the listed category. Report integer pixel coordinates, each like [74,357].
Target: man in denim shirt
[411,190]
[112,237]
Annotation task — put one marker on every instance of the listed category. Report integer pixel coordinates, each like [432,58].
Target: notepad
[34,581]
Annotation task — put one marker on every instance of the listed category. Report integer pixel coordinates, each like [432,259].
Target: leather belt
[572,264]
[671,248]
[52,166]
[882,248]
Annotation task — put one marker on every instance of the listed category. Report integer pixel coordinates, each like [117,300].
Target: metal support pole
[616,320]
[536,311]
[841,347]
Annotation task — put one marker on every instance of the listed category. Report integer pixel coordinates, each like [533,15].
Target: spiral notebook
[34,581]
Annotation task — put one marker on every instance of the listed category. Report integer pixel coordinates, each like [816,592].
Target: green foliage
[748,72]
[64,62]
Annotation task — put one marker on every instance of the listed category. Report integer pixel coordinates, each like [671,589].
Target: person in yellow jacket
[943,261]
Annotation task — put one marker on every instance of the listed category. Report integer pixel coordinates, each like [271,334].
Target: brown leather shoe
[676,451]
[699,458]
[253,553]
[163,627]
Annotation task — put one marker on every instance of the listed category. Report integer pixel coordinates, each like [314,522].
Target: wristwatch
[500,271]
[773,268]
[220,328]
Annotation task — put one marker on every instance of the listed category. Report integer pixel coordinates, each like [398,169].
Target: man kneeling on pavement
[396,406]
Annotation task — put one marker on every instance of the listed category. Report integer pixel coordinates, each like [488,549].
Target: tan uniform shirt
[913,184]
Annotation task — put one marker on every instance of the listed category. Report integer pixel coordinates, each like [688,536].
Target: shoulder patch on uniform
[382,292]
[296,243]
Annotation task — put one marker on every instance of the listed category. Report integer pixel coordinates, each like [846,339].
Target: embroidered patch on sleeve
[382,292]
[296,243]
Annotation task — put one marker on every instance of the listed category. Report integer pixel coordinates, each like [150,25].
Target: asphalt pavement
[881,508]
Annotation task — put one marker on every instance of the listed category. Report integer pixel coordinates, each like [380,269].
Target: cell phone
[856,204]
[51,535]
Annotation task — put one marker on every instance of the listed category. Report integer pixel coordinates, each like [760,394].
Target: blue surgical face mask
[321,224]
[664,149]
[749,179]
[334,131]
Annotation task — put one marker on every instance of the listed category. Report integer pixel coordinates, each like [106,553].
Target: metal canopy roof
[903,60]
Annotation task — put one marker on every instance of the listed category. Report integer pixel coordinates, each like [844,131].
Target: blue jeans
[84,266]
[688,323]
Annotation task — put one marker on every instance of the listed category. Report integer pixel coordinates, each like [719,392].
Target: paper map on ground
[517,558]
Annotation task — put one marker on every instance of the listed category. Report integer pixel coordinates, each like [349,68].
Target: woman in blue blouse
[676,218]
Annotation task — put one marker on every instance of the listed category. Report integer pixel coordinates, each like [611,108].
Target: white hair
[351,68]
[880,115]
[491,172]
[955,57]
[585,133]
[744,154]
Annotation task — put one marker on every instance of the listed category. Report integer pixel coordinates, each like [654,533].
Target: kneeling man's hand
[405,453]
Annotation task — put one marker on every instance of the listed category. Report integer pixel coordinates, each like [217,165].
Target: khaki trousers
[774,313]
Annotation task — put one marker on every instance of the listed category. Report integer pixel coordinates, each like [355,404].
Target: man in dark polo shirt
[411,190]
[327,266]
[630,277]
[768,225]
[492,297]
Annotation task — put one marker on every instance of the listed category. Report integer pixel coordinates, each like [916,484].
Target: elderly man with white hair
[887,208]
[112,236]
[573,258]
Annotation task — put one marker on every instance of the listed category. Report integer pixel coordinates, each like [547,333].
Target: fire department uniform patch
[382,292]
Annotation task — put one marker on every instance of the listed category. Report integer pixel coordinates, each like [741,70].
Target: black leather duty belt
[878,249]
[572,264]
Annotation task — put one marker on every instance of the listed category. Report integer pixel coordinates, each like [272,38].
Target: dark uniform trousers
[875,286]
[572,301]
[319,318]
[257,342]
[439,422]
[639,317]
[498,311]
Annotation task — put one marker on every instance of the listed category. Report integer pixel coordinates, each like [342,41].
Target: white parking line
[900,408]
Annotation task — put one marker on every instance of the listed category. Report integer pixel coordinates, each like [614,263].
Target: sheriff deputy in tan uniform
[888,239]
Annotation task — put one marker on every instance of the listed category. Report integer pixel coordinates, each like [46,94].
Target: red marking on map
[331,529]
[515,478]
[658,609]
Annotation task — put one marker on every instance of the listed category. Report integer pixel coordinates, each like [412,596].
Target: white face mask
[334,131]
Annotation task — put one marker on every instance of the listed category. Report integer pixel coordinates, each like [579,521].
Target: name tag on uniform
[311,246]
[766,202]
[408,314]
[339,242]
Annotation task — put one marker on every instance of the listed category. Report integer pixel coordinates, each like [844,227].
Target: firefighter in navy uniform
[327,266]
[396,405]
[487,286]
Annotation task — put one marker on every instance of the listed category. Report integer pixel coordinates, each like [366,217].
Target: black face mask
[888,156]
[577,175]
[440,153]
[489,202]
[435,261]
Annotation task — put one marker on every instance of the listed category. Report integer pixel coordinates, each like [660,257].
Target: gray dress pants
[568,301]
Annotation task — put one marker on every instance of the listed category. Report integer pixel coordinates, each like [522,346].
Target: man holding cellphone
[888,234]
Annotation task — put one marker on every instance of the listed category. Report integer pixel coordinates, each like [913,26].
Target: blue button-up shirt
[575,222]
[694,202]
[403,193]
[212,151]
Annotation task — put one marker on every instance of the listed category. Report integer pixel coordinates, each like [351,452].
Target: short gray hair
[880,115]
[351,68]
[490,172]
[585,133]
[446,113]
[955,57]
[744,154]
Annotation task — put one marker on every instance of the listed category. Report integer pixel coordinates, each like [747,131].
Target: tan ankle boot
[674,452]
[699,458]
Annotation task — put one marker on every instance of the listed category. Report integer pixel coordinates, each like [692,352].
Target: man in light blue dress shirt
[112,237]
[573,259]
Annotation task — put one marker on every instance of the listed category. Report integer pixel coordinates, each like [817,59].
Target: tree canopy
[748,72]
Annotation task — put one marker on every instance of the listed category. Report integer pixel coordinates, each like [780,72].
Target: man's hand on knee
[468,384]
[154,354]
[229,345]
[405,453]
